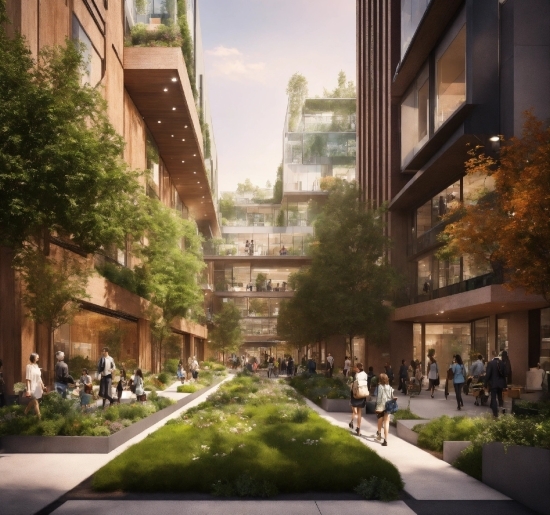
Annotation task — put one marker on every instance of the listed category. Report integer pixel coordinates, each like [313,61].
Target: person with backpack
[358,395]
[382,410]
[459,378]
[495,379]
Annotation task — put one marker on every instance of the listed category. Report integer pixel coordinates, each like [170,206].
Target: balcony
[156,79]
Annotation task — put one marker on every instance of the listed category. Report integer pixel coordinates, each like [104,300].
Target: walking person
[506,360]
[459,378]
[385,394]
[194,368]
[347,366]
[433,374]
[138,383]
[403,377]
[181,372]
[478,369]
[290,366]
[330,364]
[389,373]
[35,386]
[283,365]
[121,384]
[105,368]
[495,380]
[61,374]
[357,404]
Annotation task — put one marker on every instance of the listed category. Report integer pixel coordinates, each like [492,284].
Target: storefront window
[451,73]
[415,117]
[449,272]
[448,340]
[481,339]
[502,333]
[417,341]
[544,359]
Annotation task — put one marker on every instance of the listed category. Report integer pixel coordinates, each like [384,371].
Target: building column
[145,351]
[518,346]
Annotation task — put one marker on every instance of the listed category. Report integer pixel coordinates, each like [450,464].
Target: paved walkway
[30,483]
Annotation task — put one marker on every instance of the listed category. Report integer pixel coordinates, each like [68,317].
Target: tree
[226,336]
[278,186]
[345,88]
[297,93]
[508,226]
[346,288]
[61,166]
[227,206]
[171,257]
[187,47]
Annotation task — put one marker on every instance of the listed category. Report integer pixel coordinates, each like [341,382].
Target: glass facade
[431,213]
[544,359]
[448,340]
[480,343]
[450,67]
[90,332]
[323,144]
[93,65]
[415,116]
[238,277]
[411,15]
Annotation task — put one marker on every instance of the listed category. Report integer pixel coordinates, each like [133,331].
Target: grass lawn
[317,386]
[253,437]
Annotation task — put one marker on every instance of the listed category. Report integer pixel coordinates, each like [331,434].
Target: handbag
[360,391]
[391,406]
[437,381]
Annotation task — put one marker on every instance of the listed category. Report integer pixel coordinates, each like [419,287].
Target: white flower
[195,458]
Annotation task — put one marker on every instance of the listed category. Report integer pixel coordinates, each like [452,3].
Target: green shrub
[244,486]
[405,414]
[377,488]
[317,386]
[77,363]
[187,388]
[432,435]
[100,431]
[162,36]
[164,378]
[171,366]
[470,461]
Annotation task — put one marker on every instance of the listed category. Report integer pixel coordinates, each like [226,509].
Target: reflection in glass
[544,359]
[451,78]
[424,275]
[481,339]
[448,340]
[411,15]
[502,333]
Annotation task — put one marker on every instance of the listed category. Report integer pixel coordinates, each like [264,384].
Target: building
[318,143]
[160,106]
[433,77]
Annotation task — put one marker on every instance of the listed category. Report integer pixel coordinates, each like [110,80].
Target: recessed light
[173,108]
[159,121]
[185,126]
[195,173]
[194,155]
[494,138]
[198,182]
[182,140]
[174,79]
[183,161]
[165,89]
[203,196]
[172,135]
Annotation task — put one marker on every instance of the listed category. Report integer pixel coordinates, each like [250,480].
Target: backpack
[360,389]
[391,406]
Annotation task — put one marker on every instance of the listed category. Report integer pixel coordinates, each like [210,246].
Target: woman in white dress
[35,386]
[385,394]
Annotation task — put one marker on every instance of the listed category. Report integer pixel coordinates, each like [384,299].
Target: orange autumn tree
[508,225]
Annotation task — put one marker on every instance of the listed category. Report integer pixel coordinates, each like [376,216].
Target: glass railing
[239,249]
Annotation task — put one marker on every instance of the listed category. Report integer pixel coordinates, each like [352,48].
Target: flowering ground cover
[63,417]
[252,438]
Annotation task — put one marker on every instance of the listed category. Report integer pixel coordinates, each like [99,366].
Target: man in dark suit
[495,378]
[403,377]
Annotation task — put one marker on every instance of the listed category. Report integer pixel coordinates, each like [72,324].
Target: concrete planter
[405,432]
[452,450]
[522,473]
[336,405]
[90,444]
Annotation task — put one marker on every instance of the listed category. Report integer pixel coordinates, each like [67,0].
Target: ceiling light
[194,155]
[172,135]
[173,108]
[185,127]
[165,89]
[198,182]
[494,138]
[159,121]
[183,161]
[182,140]
[195,173]
[174,79]
[203,196]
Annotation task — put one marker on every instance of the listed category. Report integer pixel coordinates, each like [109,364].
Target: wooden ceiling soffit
[156,79]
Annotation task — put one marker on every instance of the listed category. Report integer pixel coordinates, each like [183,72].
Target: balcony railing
[234,249]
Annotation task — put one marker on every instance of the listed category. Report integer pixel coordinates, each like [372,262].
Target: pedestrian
[357,404]
[373,380]
[121,384]
[495,380]
[459,378]
[284,365]
[138,383]
[105,368]
[506,360]
[290,366]
[251,248]
[86,383]
[433,374]
[330,364]
[246,247]
[61,374]
[389,373]
[195,368]
[385,393]
[311,366]
[35,386]
[347,366]
[181,372]
[270,366]
[478,369]
[403,377]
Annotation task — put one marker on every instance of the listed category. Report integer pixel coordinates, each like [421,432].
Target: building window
[415,110]
[431,213]
[474,267]
[411,15]
[449,340]
[448,272]
[481,338]
[475,185]
[93,66]
[424,275]
[502,333]
[451,75]
[544,359]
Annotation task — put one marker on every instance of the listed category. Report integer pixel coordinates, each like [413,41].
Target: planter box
[452,450]
[405,432]
[522,473]
[90,444]
[337,405]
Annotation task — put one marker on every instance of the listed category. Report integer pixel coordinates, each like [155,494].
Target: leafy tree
[226,336]
[345,289]
[61,166]
[345,88]
[172,262]
[508,226]
[227,206]
[278,186]
[297,93]
[187,48]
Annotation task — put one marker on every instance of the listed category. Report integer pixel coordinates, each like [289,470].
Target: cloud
[234,65]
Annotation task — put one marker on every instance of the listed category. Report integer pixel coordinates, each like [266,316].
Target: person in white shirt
[385,394]
[105,368]
[35,386]
[330,364]
[194,368]
[347,366]
[357,404]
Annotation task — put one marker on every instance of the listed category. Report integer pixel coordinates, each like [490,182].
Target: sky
[252,48]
